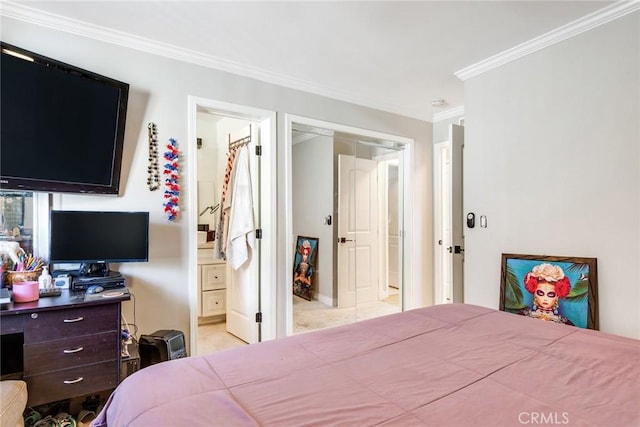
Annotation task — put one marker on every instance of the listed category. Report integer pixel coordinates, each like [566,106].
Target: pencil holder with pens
[23,276]
[27,268]
[18,266]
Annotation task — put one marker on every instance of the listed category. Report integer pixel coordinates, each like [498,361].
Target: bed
[446,365]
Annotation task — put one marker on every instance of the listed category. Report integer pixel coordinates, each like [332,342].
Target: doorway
[224,299]
[346,191]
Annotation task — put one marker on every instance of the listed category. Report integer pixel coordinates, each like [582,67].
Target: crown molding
[447,114]
[586,23]
[30,15]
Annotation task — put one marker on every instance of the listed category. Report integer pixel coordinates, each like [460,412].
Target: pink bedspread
[446,365]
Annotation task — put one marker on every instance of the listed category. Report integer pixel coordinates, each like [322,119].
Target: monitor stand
[94,269]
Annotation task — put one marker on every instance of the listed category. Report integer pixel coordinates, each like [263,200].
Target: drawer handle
[77,319]
[77,380]
[73,350]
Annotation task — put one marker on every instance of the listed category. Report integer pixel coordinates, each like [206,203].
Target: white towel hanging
[241,235]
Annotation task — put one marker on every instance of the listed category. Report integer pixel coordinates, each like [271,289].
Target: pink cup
[25,291]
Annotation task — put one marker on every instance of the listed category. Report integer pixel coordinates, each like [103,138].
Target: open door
[393,227]
[456,135]
[449,251]
[243,283]
[357,231]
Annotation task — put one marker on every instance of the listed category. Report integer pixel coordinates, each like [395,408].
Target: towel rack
[211,209]
[239,142]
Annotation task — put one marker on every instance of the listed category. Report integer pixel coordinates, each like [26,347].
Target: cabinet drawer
[69,383]
[54,325]
[214,302]
[205,256]
[68,353]
[11,324]
[213,277]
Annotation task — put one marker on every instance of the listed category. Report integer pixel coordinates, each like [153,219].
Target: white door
[243,291]
[447,168]
[357,231]
[388,228]
[456,135]
[393,226]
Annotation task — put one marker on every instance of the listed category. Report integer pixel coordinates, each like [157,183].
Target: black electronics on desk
[161,346]
[112,281]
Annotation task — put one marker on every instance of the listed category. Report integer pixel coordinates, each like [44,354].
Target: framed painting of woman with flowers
[552,288]
[304,265]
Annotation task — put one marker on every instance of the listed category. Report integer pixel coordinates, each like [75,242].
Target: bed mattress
[445,365]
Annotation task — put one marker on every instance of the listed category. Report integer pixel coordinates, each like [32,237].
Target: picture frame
[556,288]
[304,266]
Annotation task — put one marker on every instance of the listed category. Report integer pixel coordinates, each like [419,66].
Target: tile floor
[313,315]
[214,337]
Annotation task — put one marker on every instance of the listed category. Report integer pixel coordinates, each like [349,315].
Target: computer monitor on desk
[94,239]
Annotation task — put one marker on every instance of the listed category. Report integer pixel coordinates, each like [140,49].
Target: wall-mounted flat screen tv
[61,127]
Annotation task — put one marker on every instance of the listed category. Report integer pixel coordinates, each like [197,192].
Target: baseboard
[324,299]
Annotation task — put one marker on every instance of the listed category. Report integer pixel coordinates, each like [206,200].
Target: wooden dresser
[212,283]
[70,344]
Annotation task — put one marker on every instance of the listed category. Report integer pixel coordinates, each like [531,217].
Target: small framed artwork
[553,288]
[304,265]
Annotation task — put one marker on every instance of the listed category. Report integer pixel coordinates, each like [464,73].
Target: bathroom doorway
[225,299]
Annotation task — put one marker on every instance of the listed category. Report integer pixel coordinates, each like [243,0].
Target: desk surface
[67,299]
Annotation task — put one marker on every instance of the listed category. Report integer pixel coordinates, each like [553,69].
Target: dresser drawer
[11,324]
[69,383]
[54,325]
[205,256]
[68,353]
[214,303]
[213,277]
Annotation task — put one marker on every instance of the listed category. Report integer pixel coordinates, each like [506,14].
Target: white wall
[552,158]
[158,93]
[312,188]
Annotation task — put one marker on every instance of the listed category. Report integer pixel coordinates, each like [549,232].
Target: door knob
[344,240]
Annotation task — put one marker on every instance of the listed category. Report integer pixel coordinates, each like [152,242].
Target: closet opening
[350,192]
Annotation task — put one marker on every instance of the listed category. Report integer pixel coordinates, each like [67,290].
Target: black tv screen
[61,127]
[94,237]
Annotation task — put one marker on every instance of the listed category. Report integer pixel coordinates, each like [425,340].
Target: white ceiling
[389,55]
